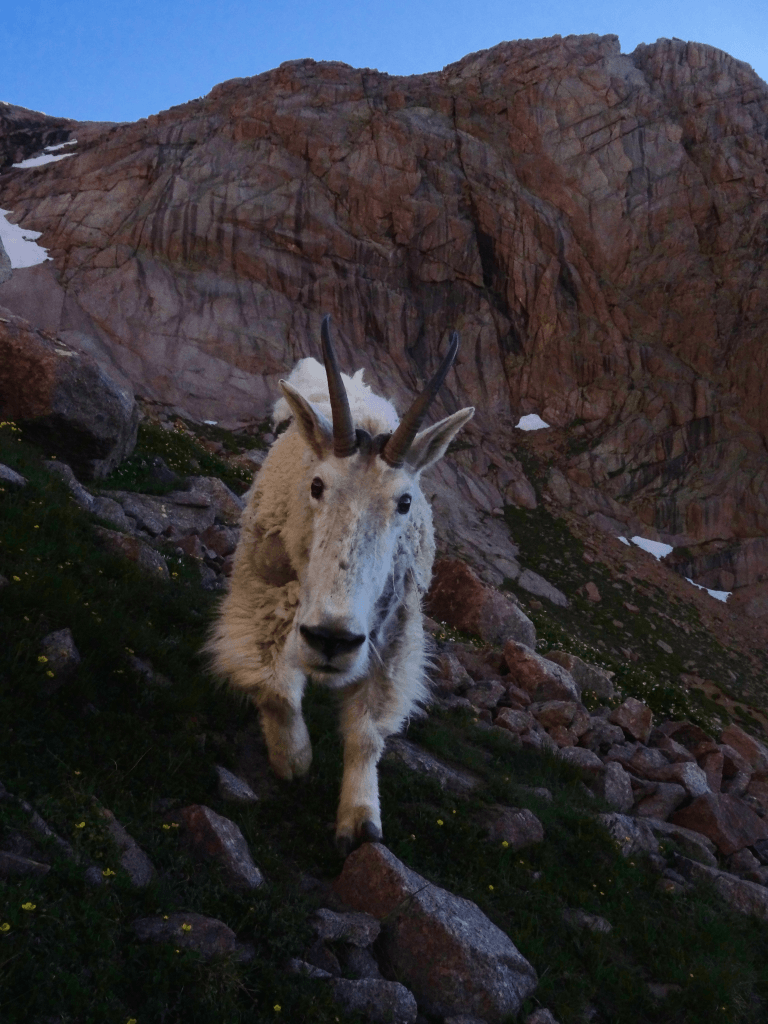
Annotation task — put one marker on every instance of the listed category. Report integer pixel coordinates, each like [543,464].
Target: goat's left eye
[317,487]
[404,504]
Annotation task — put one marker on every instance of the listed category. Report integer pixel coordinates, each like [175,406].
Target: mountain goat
[335,554]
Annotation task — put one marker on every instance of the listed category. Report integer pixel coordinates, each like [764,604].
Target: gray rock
[357,928]
[133,860]
[111,510]
[359,962]
[485,694]
[601,734]
[666,799]
[588,677]
[307,970]
[12,864]
[227,505]
[442,946]
[10,476]
[63,657]
[387,1002]
[540,1016]
[582,758]
[539,587]
[135,550]
[542,679]
[206,935]
[516,826]
[151,678]
[578,920]
[215,837]
[615,787]
[745,897]
[163,515]
[83,497]
[457,781]
[232,787]
[513,720]
[632,835]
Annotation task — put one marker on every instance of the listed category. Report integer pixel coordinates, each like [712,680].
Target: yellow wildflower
[107,872]
[28,906]
[80,825]
[42,659]
[440,821]
[5,927]
[186,927]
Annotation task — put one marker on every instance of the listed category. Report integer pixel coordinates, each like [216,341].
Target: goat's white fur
[348,560]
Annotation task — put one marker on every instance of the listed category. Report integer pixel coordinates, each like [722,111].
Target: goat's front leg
[283,725]
[359,814]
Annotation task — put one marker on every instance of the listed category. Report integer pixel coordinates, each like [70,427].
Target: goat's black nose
[331,642]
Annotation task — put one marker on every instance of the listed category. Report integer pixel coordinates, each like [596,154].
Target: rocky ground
[389,943]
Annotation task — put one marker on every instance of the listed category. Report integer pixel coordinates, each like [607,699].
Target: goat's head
[366,510]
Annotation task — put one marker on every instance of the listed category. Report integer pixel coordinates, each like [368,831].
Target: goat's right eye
[317,488]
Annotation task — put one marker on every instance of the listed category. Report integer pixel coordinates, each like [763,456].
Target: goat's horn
[344,439]
[397,446]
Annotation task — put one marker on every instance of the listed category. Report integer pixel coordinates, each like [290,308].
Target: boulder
[133,860]
[206,935]
[458,597]
[743,896]
[588,677]
[516,826]
[726,820]
[61,654]
[441,946]
[11,477]
[384,1002]
[353,927]
[213,837]
[135,550]
[751,749]
[634,717]
[63,401]
[542,679]
[457,781]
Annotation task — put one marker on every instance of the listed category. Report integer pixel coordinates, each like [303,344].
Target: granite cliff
[594,223]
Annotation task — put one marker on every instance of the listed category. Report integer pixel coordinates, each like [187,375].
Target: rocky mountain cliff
[593,223]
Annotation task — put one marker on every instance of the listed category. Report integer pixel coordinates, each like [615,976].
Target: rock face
[591,222]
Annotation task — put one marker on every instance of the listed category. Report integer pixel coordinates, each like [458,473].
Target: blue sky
[118,61]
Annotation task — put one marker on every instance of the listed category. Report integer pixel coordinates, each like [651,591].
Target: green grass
[183,452]
[141,751]
[602,633]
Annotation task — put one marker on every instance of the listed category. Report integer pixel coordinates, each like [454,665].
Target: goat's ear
[430,444]
[314,427]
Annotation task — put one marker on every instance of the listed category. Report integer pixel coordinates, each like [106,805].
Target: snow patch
[719,595]
[658,550]
[210,423]
[625,541]
[20,244]
[531,422]
[653,547]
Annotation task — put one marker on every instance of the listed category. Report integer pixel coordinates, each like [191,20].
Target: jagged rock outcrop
[591,221]
[63,400]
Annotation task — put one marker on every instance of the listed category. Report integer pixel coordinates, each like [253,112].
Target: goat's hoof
[369,833]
